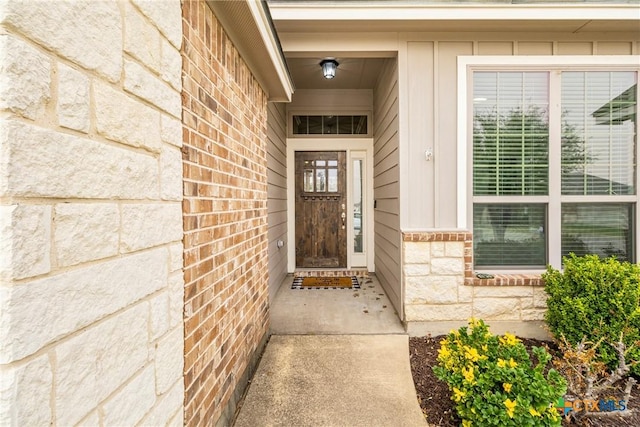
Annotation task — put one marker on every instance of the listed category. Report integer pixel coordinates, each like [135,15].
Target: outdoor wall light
[329,67]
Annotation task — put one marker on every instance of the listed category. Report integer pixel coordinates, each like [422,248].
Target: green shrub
[493,381]
[597,300]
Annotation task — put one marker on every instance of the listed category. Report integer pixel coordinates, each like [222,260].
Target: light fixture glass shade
[329,67]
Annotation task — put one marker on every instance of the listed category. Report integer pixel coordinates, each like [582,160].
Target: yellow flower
[466,423]
[533,412]
[511,405]
[553,413]
[472,354]
[503,363]
[468,375]
[485,348]
[509,339]
[507,387]
[444,353]
[458,394]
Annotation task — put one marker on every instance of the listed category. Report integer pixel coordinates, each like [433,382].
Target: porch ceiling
[353,73]
[313,30]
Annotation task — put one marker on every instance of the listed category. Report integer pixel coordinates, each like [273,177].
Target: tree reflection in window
[321,176]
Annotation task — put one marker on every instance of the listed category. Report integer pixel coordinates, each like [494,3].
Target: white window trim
[468,64]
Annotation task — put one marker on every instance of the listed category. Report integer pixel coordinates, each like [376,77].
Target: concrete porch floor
[334,311]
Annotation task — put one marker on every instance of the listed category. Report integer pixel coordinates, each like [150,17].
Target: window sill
[506,280]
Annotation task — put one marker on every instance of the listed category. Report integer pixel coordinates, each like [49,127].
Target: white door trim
[349,145]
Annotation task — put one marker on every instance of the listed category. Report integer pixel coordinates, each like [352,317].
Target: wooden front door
[321,197]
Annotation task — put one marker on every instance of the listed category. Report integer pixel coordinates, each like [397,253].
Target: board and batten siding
[386,173]
[276,194]
[429,188]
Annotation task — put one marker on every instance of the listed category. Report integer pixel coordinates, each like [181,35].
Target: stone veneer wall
[91,327]
[225,219]
[441,287]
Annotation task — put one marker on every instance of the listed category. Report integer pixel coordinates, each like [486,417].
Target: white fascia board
[370,11]
[272,46]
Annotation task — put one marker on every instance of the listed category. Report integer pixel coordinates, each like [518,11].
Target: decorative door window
[321,176]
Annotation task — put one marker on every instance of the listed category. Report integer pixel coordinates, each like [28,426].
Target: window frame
[554,65]
[323,112]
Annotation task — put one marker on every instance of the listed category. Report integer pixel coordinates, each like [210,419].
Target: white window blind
[518,211]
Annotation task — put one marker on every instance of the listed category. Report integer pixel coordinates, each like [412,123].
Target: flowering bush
[493,381]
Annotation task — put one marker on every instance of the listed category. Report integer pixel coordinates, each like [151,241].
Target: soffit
[248,24]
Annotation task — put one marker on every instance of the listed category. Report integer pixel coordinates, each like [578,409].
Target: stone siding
[225,219]
[441,285]
[91,292]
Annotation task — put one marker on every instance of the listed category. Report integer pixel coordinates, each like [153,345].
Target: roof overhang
[412,16]
[248,24]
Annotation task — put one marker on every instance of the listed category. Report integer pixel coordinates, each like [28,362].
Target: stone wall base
[526,329]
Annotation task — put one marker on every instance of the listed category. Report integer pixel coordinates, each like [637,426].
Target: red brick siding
[224,214]
[469,274]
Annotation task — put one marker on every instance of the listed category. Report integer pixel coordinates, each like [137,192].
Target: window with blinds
[524,134]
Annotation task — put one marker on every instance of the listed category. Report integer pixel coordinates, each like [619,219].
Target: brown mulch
[433,394]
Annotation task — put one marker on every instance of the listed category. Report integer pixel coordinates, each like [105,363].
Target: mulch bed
[434,397]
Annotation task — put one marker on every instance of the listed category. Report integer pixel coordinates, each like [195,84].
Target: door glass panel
[333,180]
[308,180]
[321,163]
[333,163]
[321,180]
[357,207]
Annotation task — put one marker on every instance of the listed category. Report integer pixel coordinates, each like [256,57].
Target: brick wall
[90,217]
[225,218]
[441,286]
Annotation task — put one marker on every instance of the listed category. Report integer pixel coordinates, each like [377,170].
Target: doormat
[315,282]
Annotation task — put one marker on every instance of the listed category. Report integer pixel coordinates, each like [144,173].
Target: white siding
[386,183]
[276,195]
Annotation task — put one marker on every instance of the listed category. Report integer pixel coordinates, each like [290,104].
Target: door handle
[343,216]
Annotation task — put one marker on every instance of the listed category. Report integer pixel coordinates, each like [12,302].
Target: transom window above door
[330,125]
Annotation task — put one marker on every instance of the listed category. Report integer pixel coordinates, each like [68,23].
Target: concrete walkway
[333,380]
[334,312]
